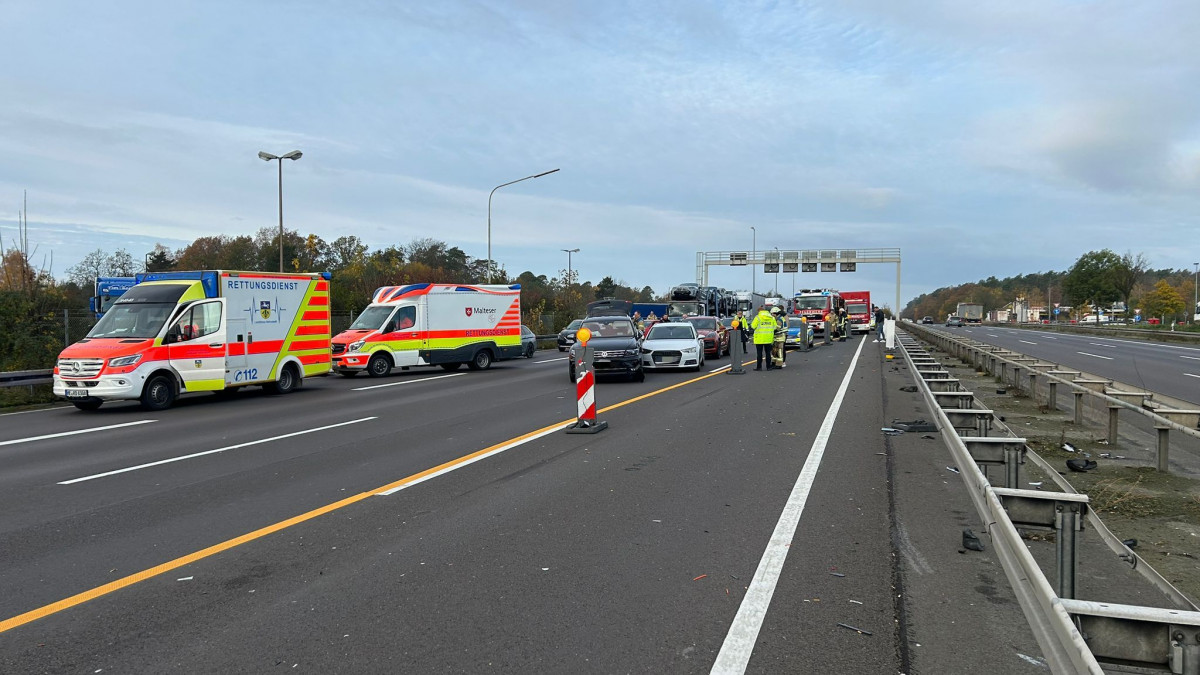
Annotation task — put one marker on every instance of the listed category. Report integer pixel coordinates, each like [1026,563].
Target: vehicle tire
[159,393]
[450,366]
[562,349]
[481,361]
[640,376]
[379,365]
[529,351]
[348,373]
[571,373]
[89,404]
[288,381]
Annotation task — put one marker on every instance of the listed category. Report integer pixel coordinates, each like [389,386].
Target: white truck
[427,324]
[970,312]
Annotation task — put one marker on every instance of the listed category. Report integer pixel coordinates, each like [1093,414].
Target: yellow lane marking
[92,594]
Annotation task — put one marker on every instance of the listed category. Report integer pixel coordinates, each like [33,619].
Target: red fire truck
[858,309]
[814,304]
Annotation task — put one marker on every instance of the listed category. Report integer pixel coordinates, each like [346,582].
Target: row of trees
[1097,279]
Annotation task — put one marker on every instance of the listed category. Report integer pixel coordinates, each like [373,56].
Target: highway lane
[1170,369]
[628,550]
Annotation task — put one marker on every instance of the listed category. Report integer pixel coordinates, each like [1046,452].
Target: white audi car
[673,345]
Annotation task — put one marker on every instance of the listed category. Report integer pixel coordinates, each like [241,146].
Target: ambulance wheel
[159,393]
[379,365]
[450,366]
[482,360]
[89,404]
[288,381]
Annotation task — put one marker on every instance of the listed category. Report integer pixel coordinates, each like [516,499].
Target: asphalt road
[1170,369]
[434,522]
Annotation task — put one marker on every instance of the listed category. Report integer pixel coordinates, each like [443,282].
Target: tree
[1127,273]
[607,288]
[1091,280]
[1163,301]
[160,259]
[100,264]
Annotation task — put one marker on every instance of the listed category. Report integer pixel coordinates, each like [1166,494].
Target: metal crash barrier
[1076,636]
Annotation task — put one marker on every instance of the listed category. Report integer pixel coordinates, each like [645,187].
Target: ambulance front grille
[79,368]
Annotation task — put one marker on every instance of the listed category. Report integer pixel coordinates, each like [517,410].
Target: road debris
[185,579]
[954,469]
[970,541]
[891,431]
[1037,484]
[856,630]
[837,574]
[700,577]
[857,602]
[1068,447]
[1081,465]
[1131,543]
[914,425]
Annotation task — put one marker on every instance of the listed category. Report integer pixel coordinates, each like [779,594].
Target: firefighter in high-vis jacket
[763,326]
[777,353]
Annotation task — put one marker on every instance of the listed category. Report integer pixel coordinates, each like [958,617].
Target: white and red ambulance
[443,325]
[177,332]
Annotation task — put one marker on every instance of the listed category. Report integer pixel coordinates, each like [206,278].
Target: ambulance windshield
[133,320]
[372,317]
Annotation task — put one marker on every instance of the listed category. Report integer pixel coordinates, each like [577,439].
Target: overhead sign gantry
[804,260]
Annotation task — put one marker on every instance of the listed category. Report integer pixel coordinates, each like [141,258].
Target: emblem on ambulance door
[198,363]
[468,311]
[264,308]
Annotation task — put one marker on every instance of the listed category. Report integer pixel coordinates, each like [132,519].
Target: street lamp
[753,255]
[536,175]
[266,157]
[569,251]
[777,259]
[1195,292]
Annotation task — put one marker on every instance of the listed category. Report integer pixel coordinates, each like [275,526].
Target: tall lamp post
[266,157]
[569,251]
[777,264]
[1195,293]
[753,255]
[489,252]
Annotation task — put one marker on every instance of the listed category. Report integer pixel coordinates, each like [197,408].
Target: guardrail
[1117,330]
[997,361]
[21,378]
[1076,636]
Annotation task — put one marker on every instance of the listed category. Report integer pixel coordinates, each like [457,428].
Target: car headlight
[647,351]
[690,350]
[631,352]
[122,361]
[355,346]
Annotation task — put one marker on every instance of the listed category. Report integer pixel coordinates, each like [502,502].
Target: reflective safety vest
[764,328]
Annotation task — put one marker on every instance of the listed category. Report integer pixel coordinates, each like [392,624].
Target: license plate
[601,361]
[669,359]
[77,393]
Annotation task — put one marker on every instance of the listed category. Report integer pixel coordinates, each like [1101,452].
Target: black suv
[618,347]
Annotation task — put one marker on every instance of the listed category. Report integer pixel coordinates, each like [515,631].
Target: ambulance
[180,332]
[443,325]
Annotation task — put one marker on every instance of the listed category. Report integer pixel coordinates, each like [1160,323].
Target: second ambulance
[443,325]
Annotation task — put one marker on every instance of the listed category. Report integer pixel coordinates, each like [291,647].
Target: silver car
[673,345]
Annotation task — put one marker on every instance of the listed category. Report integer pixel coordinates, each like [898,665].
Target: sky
[979,138]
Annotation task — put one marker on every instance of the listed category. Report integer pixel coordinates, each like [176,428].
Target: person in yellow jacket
[779,353]
[764,336]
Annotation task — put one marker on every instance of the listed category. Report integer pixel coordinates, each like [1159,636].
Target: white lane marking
[717,370]
[743,634]
[1106,358]
[1149,344]
[992,335]
[1191,375]
[1194,358]
[26,412]
[454,467]
[1049,337]
[561,358]
[1027,342]
[210,452]
[396,384]
[73,433]
[1101,344]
